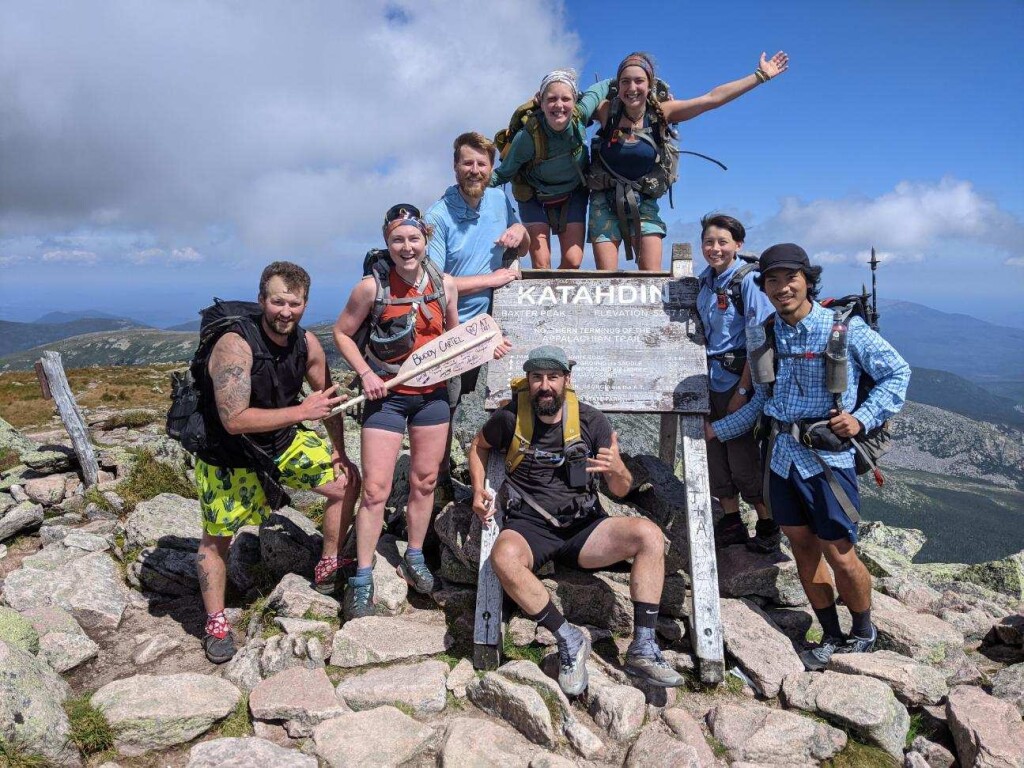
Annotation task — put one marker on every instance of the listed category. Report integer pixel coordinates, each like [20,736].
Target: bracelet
[761,75]
[363,373]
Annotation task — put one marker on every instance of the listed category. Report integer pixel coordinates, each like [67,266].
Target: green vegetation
[453,703]
[448,659]
[15,754]
[8,458]
[532,652]
[238,723]
[315,512]
[814,635]
[90,730]
[149,477]
[130,419]
[718,748]
[401,706]
[858,755]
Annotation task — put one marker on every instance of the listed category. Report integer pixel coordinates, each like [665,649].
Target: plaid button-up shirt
[800,392]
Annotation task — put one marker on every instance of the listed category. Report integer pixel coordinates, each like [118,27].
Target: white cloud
[71,256]
[186,255]
[289,126]
[906,224]
[1016,261]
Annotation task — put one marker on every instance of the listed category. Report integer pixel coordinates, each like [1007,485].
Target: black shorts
[548,543]
[395,411]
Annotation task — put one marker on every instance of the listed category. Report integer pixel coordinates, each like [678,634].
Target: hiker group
[814,380]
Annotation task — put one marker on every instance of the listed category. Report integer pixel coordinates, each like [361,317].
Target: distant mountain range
[16,336]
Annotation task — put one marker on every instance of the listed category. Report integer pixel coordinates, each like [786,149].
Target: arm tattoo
[230,369]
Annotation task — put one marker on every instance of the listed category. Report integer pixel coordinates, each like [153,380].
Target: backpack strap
[735,286]
[523,434]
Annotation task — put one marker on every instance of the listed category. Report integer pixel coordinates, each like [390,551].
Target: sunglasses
[401,211]
[549,459]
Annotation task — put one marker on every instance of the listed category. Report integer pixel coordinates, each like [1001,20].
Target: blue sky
[152,156]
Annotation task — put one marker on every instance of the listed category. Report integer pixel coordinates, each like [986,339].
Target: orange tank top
[426,330]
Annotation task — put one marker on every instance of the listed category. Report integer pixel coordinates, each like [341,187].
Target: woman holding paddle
[414,306]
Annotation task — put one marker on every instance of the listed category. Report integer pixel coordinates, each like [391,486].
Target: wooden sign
[636,340]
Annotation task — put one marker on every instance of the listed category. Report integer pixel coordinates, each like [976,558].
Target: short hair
[295,277]
[728,223]
[476,141]
[811,274]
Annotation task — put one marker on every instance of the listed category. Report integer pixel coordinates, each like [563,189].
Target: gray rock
[921,636]
[1008,684]
[14,441]
[243,671]
[473,742]
[742,573]
[459,531]
[903,541]
[518,705]
[592,598]
[1004,576]
[87,542]
[688,730]
[863,704]
[48,462]
[156,711]
[761,649]
[378,738]
[521,631]
[459,678]
[89,587]
[246,753]
[244,558]
[380,639]
[419,686]
[305,696]
[283,652]
[913,683]
[31,706]
[47,491]
[289,543]
[153,647]
[619,709]
[168,521]
[26,516]
[166,571]
[294,598]
[18,631]
[550,760]
[390,590]
[988,732]
[66,650]
[762,736]
[52,619]
[657,749]
[16,491]
[452,571]
[934,755]
[1010,630]
[3,551]
[304,627]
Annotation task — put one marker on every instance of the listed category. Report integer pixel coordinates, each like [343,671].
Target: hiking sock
[550,618]
[645,615]
[364,574]
[766,527]
[861,623]
[414,555]
[217,625]
[828,617]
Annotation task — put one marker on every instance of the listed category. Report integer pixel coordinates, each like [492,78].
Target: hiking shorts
[232,497]
[796,501]
[604,223]
[532,212]
[734,466]
[395,411]
[548,543]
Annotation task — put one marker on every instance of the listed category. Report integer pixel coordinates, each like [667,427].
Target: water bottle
[760,354]
[835,356]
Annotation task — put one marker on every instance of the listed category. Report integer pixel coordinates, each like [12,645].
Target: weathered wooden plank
[706,619]
[682,260]
[636,340]
[44,387]
[668,439]
[487,626]
[71,416]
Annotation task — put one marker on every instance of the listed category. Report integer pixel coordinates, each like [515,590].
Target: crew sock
[414,555]
[550,618]
[645,615]
[828,617]
[861,623]
[364,574]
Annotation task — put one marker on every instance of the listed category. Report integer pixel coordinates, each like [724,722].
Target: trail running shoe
[644,660]
[767,537]
[856,644]
[217,641]
[816,659]
[731,530]
[418,575]
[358,600]
[572,668]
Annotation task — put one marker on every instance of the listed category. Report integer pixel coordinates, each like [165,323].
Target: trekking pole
[874,290]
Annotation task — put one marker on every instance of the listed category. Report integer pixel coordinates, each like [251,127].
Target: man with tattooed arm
[253,418]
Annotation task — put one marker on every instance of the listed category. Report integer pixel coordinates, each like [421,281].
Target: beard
[472,187]
[547,404]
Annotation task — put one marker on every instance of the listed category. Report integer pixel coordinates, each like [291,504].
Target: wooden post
[668,441]
[487,626]
[71,416]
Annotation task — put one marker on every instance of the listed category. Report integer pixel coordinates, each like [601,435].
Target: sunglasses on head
[401,211]
[549,459]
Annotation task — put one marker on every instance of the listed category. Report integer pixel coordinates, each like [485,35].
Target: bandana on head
[407,221]
[636,60]
[567,76]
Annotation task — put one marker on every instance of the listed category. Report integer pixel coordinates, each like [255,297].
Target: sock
[414,554]
[645,615]
[217,625]
[550,618]
[364,574]
[862,623]
[766,526]
[828,617]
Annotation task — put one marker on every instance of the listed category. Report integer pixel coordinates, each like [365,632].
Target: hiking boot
[856,644]
[217,641]
[358,601]
[644,660]
[767,538]
[572,668]
[816,659]
[331,572]
[417,574]
[731,530]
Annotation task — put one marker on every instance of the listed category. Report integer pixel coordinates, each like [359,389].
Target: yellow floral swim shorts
[233,497]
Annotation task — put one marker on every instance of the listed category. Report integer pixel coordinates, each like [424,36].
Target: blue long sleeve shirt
[800,392]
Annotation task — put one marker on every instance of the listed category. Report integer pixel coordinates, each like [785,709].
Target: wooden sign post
[639,348]
[56,383]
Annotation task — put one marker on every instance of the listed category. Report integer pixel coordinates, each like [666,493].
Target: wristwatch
[744,391]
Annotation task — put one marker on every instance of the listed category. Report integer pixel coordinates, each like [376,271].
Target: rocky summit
[101,661]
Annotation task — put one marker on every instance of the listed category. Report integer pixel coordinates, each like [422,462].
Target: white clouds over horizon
[241,130]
